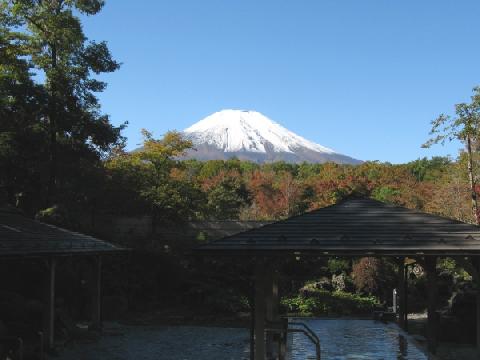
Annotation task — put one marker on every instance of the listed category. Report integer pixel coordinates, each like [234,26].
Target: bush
[374,276]
[321,302]
[337,266]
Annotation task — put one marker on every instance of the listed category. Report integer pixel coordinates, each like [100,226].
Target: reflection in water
[164,343]
[355,339]
[340,340]
[402,347]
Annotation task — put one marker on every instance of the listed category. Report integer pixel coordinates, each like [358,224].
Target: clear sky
[362,77]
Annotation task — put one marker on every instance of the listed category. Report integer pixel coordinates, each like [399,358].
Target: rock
[338,282]
[324,284]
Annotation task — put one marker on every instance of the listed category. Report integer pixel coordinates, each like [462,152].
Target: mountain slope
[252,136]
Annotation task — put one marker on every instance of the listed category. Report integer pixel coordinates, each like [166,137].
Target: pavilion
[354,227]
[22,237]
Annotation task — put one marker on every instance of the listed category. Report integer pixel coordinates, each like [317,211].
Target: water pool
[355,339]
[340,339]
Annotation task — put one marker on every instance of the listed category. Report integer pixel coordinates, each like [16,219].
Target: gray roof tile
[22,236]
[356,227]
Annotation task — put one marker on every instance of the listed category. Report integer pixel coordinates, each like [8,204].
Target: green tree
[58,49]
[385,194]
[22,101]
[465,126]
[161,184]
[429,169]
[226,198]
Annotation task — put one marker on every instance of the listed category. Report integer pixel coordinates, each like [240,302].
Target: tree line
[60,154]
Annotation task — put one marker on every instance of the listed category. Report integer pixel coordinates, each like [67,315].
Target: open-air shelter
[25,238]
[356,227]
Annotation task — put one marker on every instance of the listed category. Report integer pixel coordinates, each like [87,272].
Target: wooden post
[49,305]
[273,315]
[432,293]
[252,326]
[97,294]
[260,311]
[276,311]
[401,293]
[269,309]
[282,347]
[478,322]
[404,301]
[275,297]
[476,277]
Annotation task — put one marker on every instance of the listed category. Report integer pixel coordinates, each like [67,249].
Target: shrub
[321,302]
[374,276]
[338,265]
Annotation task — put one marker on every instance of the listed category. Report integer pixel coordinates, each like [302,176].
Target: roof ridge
[342,217]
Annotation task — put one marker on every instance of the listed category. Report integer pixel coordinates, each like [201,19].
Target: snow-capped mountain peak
[253,136]
[240,130]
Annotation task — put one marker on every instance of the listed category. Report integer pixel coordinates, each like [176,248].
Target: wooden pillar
[401,293]
[269,310]
[272,309]
[404,301]
[432,294]
[252,326]
[276,312]
[478,322]
[275,296]
[282,347]
[476,276]
[97,294]
[49,305]
[260,311]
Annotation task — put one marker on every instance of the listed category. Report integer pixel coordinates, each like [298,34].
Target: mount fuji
[249,135]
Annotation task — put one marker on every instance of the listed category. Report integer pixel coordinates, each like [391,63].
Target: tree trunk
[472,181]
[52,179]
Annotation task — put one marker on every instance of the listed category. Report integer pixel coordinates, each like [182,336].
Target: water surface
[340,339]
[355,339]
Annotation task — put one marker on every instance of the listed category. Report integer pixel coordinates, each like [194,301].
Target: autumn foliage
[155,178]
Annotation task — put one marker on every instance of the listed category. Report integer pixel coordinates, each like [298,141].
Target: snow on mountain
[249,135]
[236,130]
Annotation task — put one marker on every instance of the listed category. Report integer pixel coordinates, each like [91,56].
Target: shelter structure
[22,237]
[353,227]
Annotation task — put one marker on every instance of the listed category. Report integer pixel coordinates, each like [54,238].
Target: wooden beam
[49,305]
[432,295]
[260,310]
[272,308]
[475,263]
[97,294]
[401,293]
[252,325]
[269,309]
[478,323]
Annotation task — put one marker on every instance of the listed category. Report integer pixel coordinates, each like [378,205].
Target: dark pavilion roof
[355,226]
[22,236]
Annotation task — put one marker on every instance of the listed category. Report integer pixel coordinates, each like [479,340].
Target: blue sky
[362,77]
